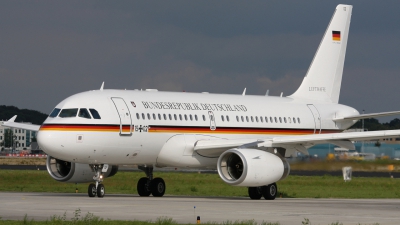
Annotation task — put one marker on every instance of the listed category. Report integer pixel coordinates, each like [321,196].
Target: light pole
[13,143]
[362,146]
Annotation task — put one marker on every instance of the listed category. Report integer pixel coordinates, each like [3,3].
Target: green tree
[8,138]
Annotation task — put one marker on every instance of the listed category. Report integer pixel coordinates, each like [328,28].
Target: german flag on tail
[336,35]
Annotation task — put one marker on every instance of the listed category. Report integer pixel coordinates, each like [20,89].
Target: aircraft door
[212,120]
[124,116]
[317,118]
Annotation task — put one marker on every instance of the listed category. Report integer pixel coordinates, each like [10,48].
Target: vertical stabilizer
[324,77]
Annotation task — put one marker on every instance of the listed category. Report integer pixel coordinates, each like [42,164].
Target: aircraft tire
[254,193]
[101,191]
[157,187]
[270,191]
[92,190]
[142,188]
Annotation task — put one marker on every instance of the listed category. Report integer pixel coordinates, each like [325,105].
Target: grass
[195,184]
[91,219]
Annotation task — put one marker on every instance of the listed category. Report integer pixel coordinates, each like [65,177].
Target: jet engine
[70,172]
[251,167]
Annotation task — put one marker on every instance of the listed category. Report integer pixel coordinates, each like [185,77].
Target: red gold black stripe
[84,127]
[336,35]
[181,129]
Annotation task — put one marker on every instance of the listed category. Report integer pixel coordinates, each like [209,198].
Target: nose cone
[50,144]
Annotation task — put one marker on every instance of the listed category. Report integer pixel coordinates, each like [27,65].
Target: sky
[50,50]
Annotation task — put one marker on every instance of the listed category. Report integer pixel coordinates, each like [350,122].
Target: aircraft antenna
[244,92]
[102,86]
[267,94]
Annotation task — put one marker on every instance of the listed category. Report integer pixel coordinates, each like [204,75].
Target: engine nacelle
[251,167]
[71,172]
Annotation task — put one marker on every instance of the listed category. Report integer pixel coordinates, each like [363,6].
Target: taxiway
[40,206]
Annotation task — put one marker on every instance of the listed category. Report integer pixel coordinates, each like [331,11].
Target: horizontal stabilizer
[370,115]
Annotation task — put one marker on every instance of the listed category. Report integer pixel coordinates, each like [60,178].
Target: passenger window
[159,116]
[170,117]
[280,120]
[270,119]
[195,117]
[242,119]
[204,117]
[95,114]
[148,116]
[252,120]
[137,116]
[294,120]
[227,118]
[261,119]
[165,116]
[256,119]
[68,113]
[154,116]
[276,120]
[284,119]
[55,112]
[84,113]
[191,118]
[175,117]
[185,117]
[143,116]
[237,118]
[298,120]
[180,117]
[290,121]
[222,117]
[247,118]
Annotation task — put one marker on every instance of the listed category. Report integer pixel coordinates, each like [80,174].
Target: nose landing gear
[149,185]
[97,188]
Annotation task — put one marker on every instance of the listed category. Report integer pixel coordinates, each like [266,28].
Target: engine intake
[251,167]
[70,172]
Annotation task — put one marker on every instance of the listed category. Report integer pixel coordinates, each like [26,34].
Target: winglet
[102,86]
[12,119]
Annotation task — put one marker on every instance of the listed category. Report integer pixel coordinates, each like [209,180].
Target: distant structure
[20,139]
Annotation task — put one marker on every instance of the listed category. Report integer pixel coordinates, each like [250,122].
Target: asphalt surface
[292,172]
[40,206]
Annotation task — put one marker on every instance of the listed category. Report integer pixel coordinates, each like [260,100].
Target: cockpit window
[68,113]
[55,112]
[84,113]
[95,114]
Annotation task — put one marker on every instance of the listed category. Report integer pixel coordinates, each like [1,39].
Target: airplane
[245,137]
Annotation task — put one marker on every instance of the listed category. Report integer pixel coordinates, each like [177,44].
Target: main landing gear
[97,188]
[269,192]
[149,185]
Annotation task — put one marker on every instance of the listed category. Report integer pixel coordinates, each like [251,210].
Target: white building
[21,138]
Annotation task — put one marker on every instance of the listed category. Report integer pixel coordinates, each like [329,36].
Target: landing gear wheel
[142,187]
[270,191]
[254,192]
[157,187]
[92,190]
[101,191]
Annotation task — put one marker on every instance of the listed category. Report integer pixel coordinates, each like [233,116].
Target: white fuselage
[135,126]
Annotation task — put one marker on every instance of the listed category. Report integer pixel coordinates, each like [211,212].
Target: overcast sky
[50,50]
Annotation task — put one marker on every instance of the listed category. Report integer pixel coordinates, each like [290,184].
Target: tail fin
[324,77]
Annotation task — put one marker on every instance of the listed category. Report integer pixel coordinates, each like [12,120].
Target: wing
[213,148]
[11,123]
